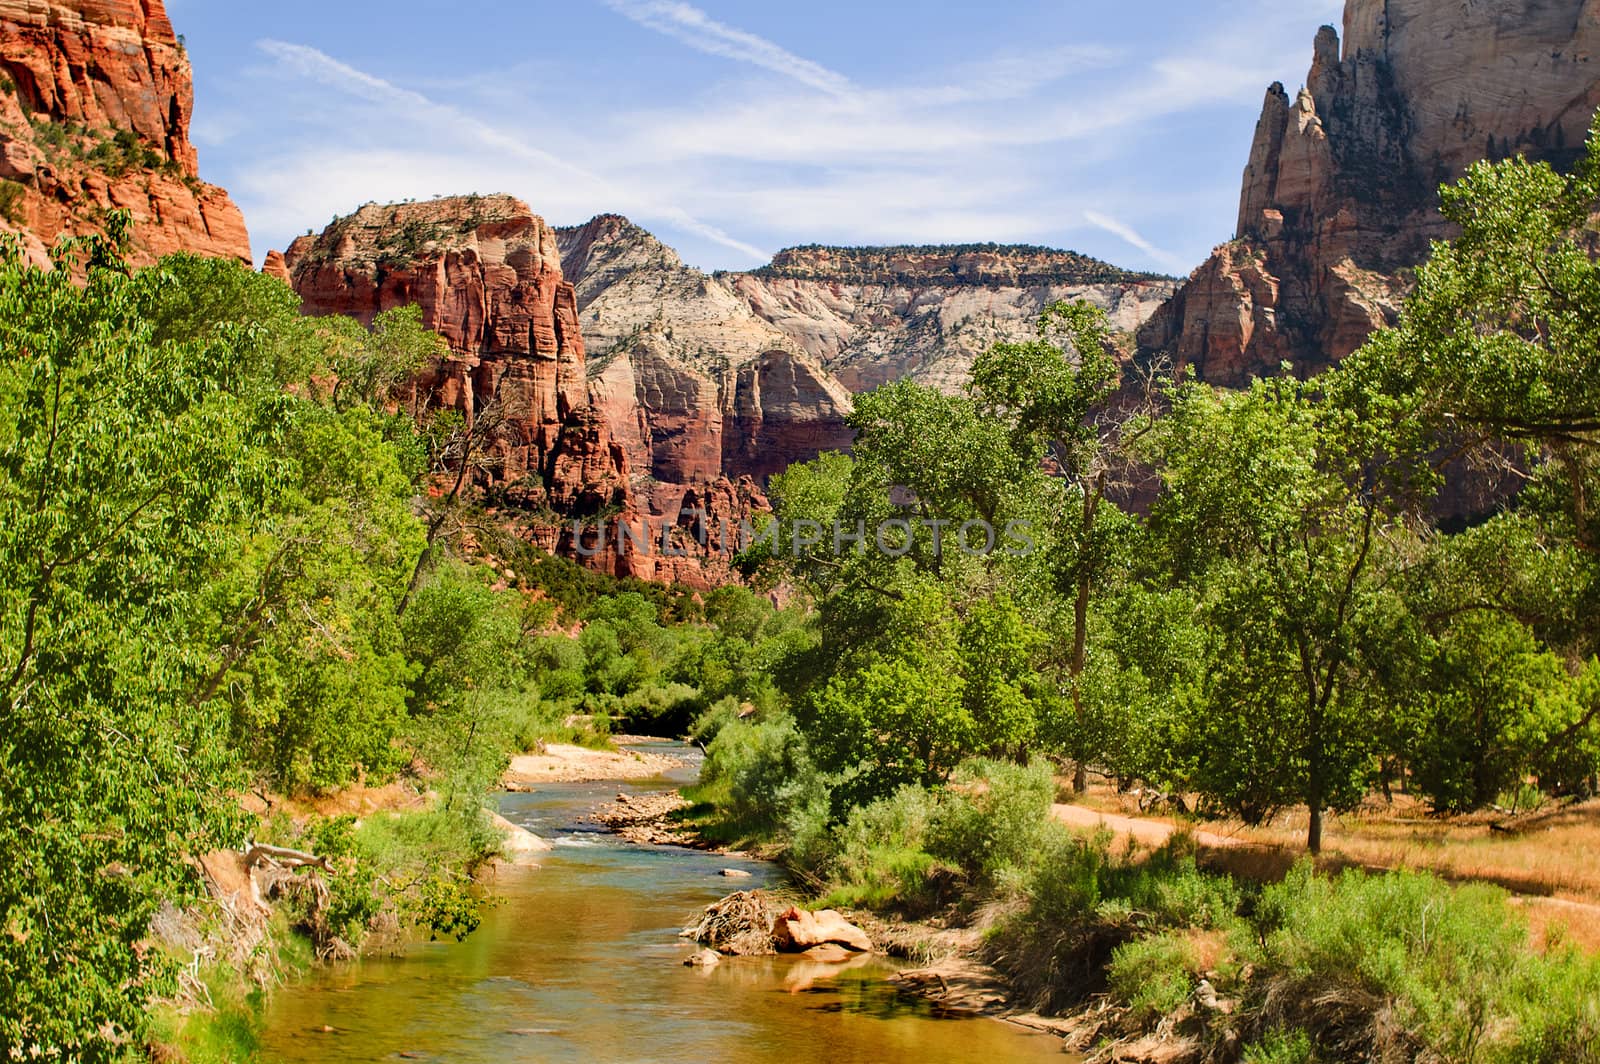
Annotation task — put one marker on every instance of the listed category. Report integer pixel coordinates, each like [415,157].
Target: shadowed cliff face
[1340,192]
[651,393]
[486,273]
[95,102]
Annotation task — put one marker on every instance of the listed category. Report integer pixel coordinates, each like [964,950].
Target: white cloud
[499,155]
[1128,234]
[692,26]
[1005,147]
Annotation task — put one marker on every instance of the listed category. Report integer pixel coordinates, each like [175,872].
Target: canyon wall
[749,372]
[95,102]
[639,390]
[486,274]
[1340,193]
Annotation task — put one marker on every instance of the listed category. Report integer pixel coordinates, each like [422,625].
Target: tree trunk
[1315,788]
[1080,628]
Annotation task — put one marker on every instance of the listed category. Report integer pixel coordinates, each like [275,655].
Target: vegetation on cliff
[947,264]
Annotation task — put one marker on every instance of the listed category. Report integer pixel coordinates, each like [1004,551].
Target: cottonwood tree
[1494,358]
[1271,514]
[1057,396]
[126,462]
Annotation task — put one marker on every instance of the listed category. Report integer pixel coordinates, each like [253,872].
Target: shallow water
[581,962]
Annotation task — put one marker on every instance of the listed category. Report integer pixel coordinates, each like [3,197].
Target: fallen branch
[256,853]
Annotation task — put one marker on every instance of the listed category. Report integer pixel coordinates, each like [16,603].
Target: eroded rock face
[702,387]
[95,102]
[487,275]
[1340,191]
[785,348]
[638,446]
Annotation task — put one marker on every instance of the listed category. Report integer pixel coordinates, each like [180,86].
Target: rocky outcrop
[486,273]
[797,930]
[703,386]
[784,348]
[1339,195]
[95,102]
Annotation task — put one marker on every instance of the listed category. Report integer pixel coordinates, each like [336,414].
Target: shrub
[880,854]
[994,819]
[1558,1010]
[1280,1047]
[1441,956]
[764,774]
[1153,976]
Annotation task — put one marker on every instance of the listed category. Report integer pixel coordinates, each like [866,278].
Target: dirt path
[1148,832]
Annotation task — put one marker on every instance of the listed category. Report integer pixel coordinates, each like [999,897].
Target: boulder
[797,930]
[521,846]
[829,953]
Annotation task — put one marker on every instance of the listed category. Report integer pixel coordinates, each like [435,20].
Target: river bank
[1129,940]
[581,960]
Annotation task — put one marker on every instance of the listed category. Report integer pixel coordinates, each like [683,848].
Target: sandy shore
[577,764]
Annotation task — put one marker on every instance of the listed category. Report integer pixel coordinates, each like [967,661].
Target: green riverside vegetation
[224,583]
[1285,620]
[220,579]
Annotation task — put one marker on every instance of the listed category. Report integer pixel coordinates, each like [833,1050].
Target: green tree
[1271,514]
[1053,394]
[1493,356]
[128,462]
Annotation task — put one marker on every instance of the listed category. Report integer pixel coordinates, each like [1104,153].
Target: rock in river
[797,930]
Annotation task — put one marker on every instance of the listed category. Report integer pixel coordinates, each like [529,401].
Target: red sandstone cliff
[1340,193]
[95,102]
[487,275]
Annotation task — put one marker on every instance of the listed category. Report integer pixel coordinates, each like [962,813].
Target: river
[580,961]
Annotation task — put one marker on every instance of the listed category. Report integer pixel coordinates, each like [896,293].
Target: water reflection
[581,963]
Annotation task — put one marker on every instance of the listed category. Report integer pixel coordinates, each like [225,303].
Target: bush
[1153,976]
[1558,1010]
[11,195]
[1280,1047]
[762,774]
[1441,956]
[880,856]
[994,818]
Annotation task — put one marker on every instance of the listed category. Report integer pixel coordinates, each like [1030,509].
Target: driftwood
[259,853]
[739,925]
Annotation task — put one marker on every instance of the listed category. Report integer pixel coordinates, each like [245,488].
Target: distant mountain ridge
[1015,265]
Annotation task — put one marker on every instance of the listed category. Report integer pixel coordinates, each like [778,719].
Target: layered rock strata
[782,350]
[95,102]
[1340,194]
[486,273]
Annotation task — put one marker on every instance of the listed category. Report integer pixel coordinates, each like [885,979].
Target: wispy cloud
[408,107]
[692,26]
[1128,234]
[1013,145]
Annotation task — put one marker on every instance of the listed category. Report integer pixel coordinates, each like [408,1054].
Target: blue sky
[734,129]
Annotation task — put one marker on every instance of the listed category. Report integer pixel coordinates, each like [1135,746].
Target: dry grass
[1554,853]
